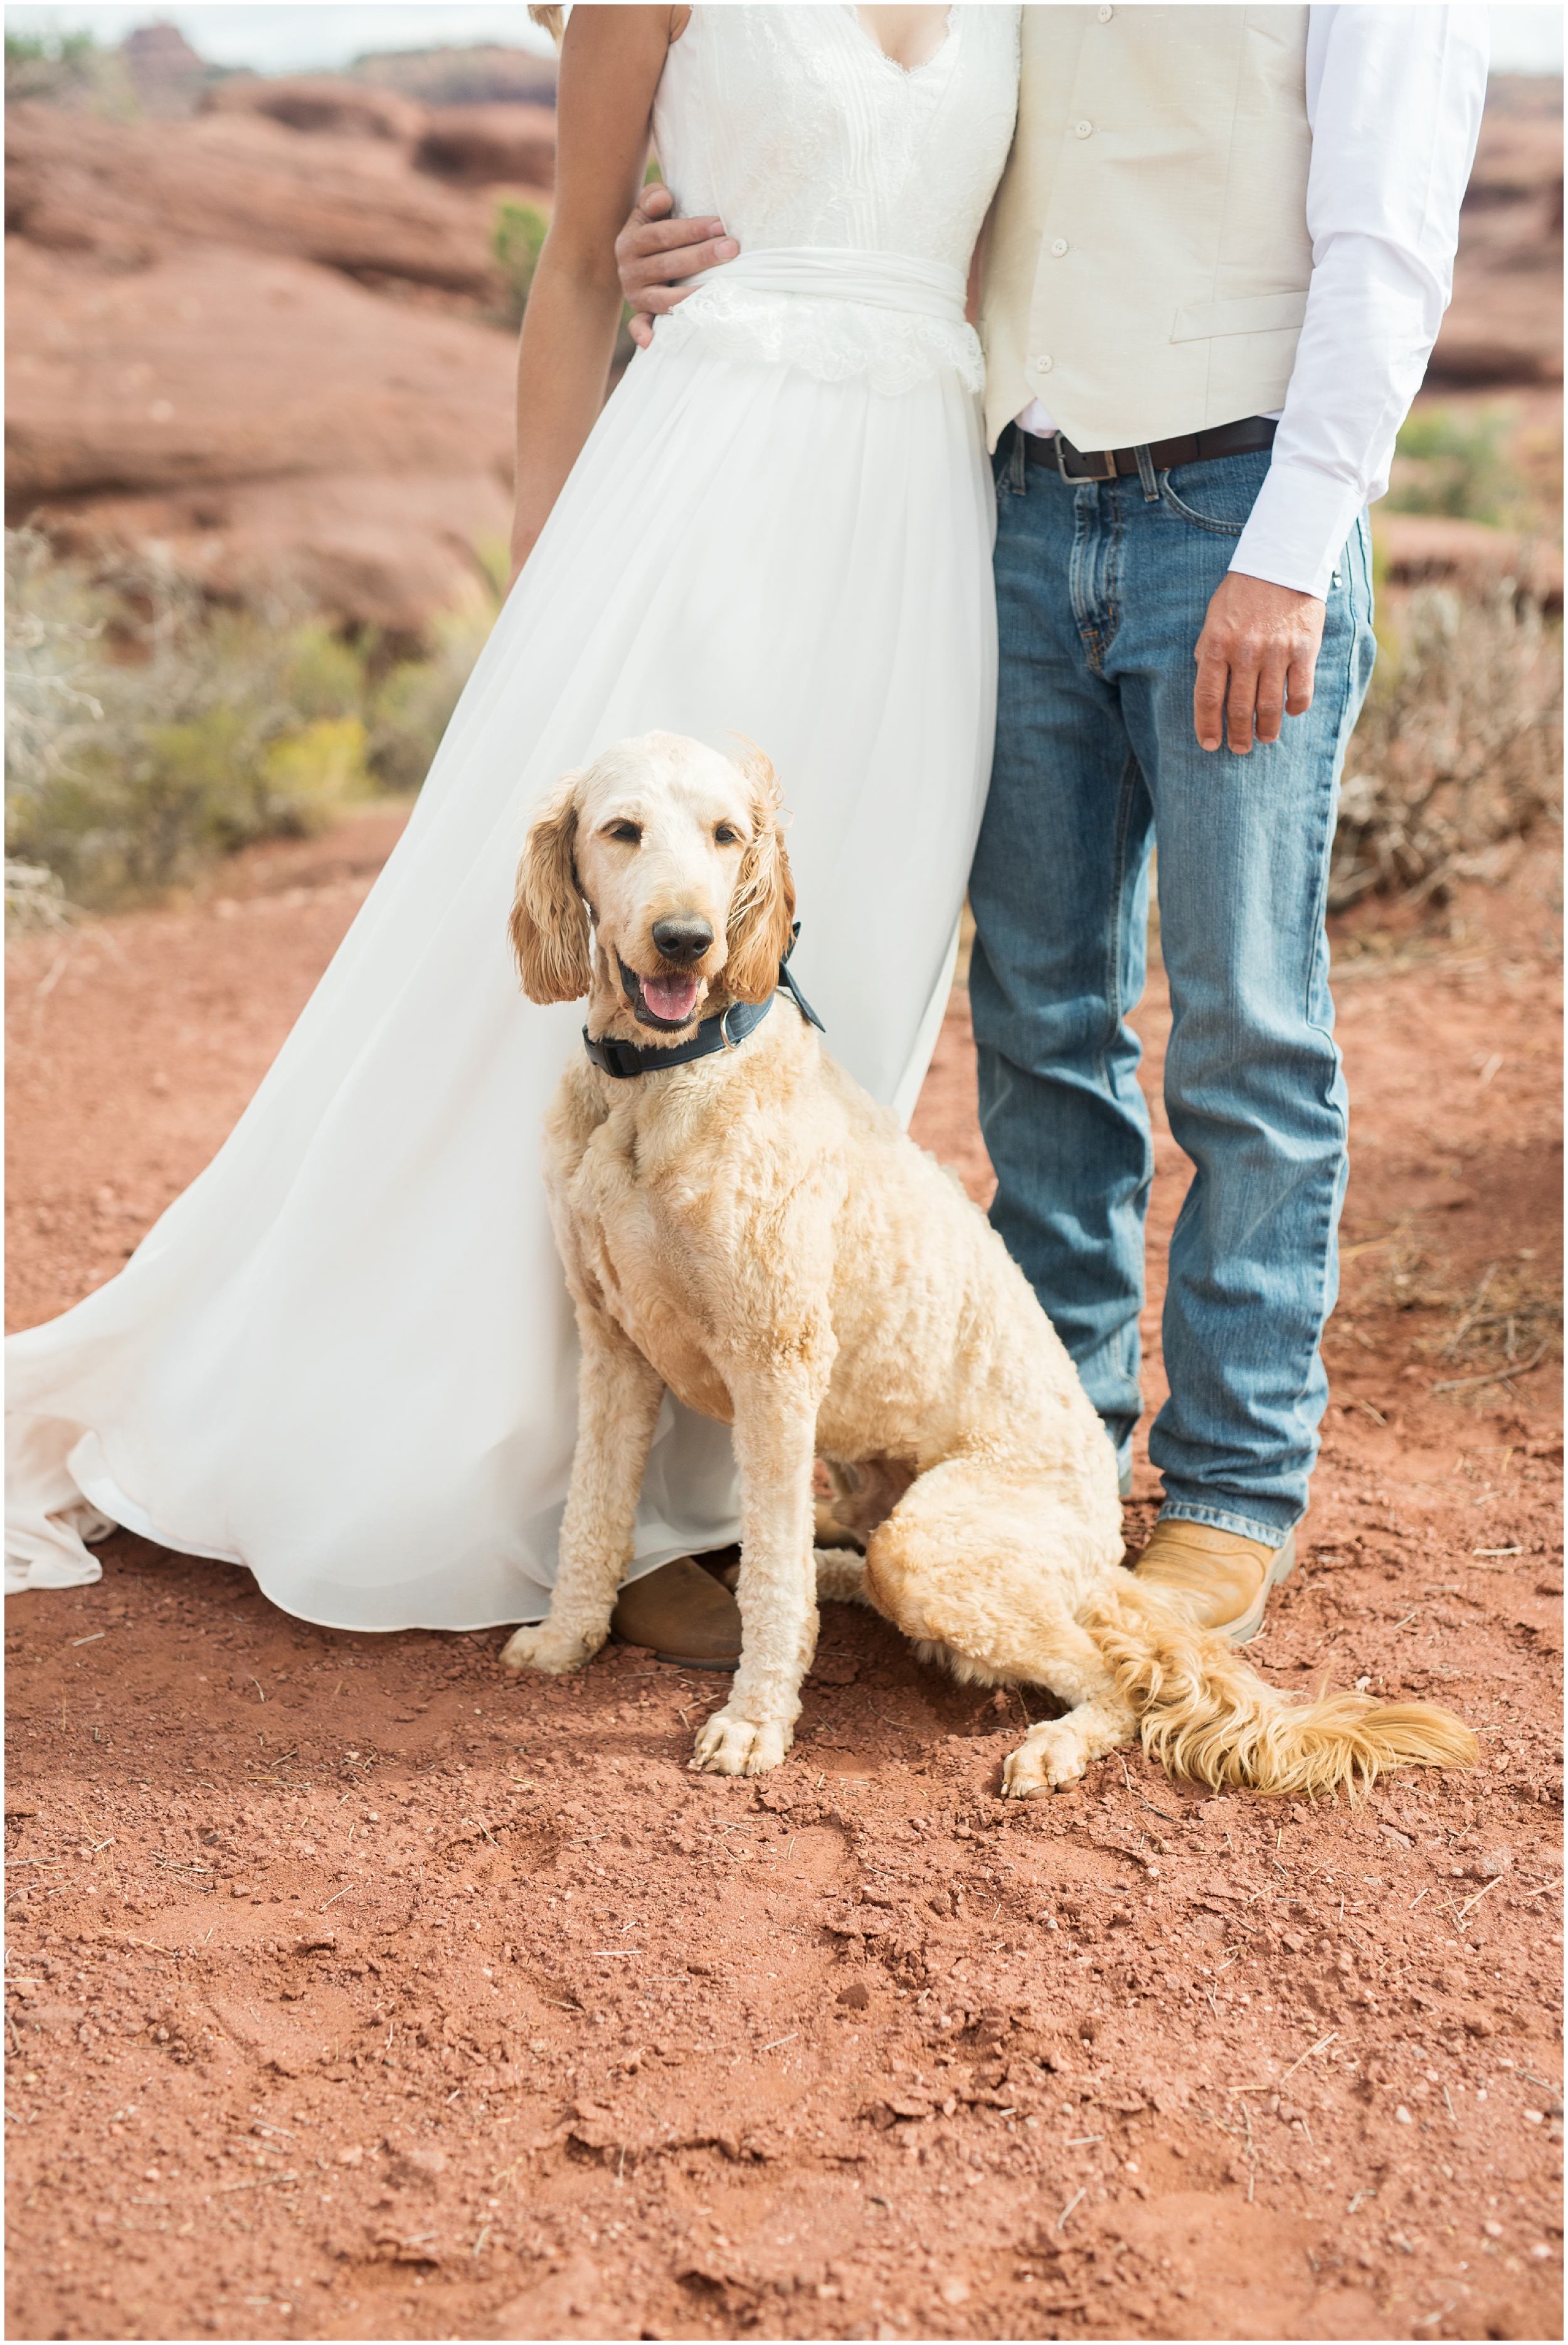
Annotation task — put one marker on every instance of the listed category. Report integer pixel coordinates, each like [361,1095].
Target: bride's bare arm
[610,61]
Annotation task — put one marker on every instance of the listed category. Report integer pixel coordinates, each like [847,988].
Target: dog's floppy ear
[761,910]
[550,931]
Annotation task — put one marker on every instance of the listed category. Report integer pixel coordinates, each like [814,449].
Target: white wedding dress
[345,1358]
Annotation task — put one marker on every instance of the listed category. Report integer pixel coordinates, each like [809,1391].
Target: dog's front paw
[735,1746]
[1048,1761]
[546,1647]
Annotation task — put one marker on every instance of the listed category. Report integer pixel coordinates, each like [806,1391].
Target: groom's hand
[1256,659]
[653,252]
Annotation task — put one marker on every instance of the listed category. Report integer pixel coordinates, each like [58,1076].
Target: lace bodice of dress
[791,125]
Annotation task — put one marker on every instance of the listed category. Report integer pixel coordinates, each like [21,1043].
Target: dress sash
[872,281]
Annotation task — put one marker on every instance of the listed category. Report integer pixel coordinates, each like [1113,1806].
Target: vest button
[1058,245]
[1043,366]
[1105,14]
[1084,130]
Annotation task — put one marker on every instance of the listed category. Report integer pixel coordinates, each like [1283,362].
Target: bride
[345,1358]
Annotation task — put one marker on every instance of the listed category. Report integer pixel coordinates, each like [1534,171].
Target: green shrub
[148,733]
[517,239]
[1447,464]
[411,705]
[327,671]
[67,69]
[317,773]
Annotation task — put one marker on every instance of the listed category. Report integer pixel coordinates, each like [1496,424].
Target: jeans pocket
[1218,496]
[1184,512]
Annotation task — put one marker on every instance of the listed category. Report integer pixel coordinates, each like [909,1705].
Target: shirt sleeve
[1395,98]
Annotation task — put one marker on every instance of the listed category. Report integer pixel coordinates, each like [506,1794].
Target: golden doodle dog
[741,1223]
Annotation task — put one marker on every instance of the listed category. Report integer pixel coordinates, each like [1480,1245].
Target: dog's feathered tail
[1202,1712]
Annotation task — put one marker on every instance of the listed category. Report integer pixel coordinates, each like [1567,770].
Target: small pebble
[1494,2230]
[1403,2116]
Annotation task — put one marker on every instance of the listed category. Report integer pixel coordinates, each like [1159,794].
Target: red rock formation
[483,146]
[132,192]
[482,74]
[321,102]
[1505,325]
[165,73]
[1434,550]
[258,416]
[215,365]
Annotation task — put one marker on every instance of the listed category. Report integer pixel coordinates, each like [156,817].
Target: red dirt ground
[356,1992]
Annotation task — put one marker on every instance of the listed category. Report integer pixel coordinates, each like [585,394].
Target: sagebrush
[68,70]
[1456,465]
[148,732]
[1458,749]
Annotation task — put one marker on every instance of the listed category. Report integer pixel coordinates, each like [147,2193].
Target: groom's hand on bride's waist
[655,253]
[1257,656]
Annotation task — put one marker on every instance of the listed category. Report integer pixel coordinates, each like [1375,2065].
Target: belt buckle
[1105,455]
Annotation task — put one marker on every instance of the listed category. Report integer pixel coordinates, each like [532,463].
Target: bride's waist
[847,273]
[833,311]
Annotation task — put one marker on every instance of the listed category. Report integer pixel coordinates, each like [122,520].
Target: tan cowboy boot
[686,1614]
[1225,1577]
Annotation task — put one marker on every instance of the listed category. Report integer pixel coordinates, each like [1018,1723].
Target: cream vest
[1150,257]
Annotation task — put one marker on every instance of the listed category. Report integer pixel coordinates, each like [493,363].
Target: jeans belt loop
[1146,474]
[1017,464]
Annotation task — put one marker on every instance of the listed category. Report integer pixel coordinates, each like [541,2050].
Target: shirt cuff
[1298,528]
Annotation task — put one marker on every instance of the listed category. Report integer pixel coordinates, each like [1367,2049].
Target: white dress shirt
[1393,102]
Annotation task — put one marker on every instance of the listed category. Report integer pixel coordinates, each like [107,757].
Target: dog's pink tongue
[670,996]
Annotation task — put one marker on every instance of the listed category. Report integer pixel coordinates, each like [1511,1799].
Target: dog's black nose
[683,939]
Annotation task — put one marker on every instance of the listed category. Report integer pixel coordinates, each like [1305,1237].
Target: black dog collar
[721,1033]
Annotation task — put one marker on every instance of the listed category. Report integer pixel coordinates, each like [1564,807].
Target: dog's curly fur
[752,1231]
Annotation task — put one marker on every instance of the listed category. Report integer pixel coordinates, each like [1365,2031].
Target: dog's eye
[726,835]
[627,833]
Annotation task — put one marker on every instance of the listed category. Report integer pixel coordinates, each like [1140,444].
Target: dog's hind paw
[840,1576]
[735,1746]
[544,1647]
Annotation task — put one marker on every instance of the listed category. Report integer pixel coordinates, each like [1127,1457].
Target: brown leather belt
[1243,439]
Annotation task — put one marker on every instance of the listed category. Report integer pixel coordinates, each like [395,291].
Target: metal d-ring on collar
[733,1025]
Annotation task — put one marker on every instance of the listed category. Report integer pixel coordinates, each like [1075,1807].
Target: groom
[1216,268]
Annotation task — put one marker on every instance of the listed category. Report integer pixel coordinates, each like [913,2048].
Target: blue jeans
[1101,593]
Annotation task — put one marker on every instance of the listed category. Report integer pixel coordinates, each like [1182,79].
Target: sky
[280,37]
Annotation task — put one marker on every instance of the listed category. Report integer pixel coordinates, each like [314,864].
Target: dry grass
[1511,1324]
[1458,754]
[1505,1322]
